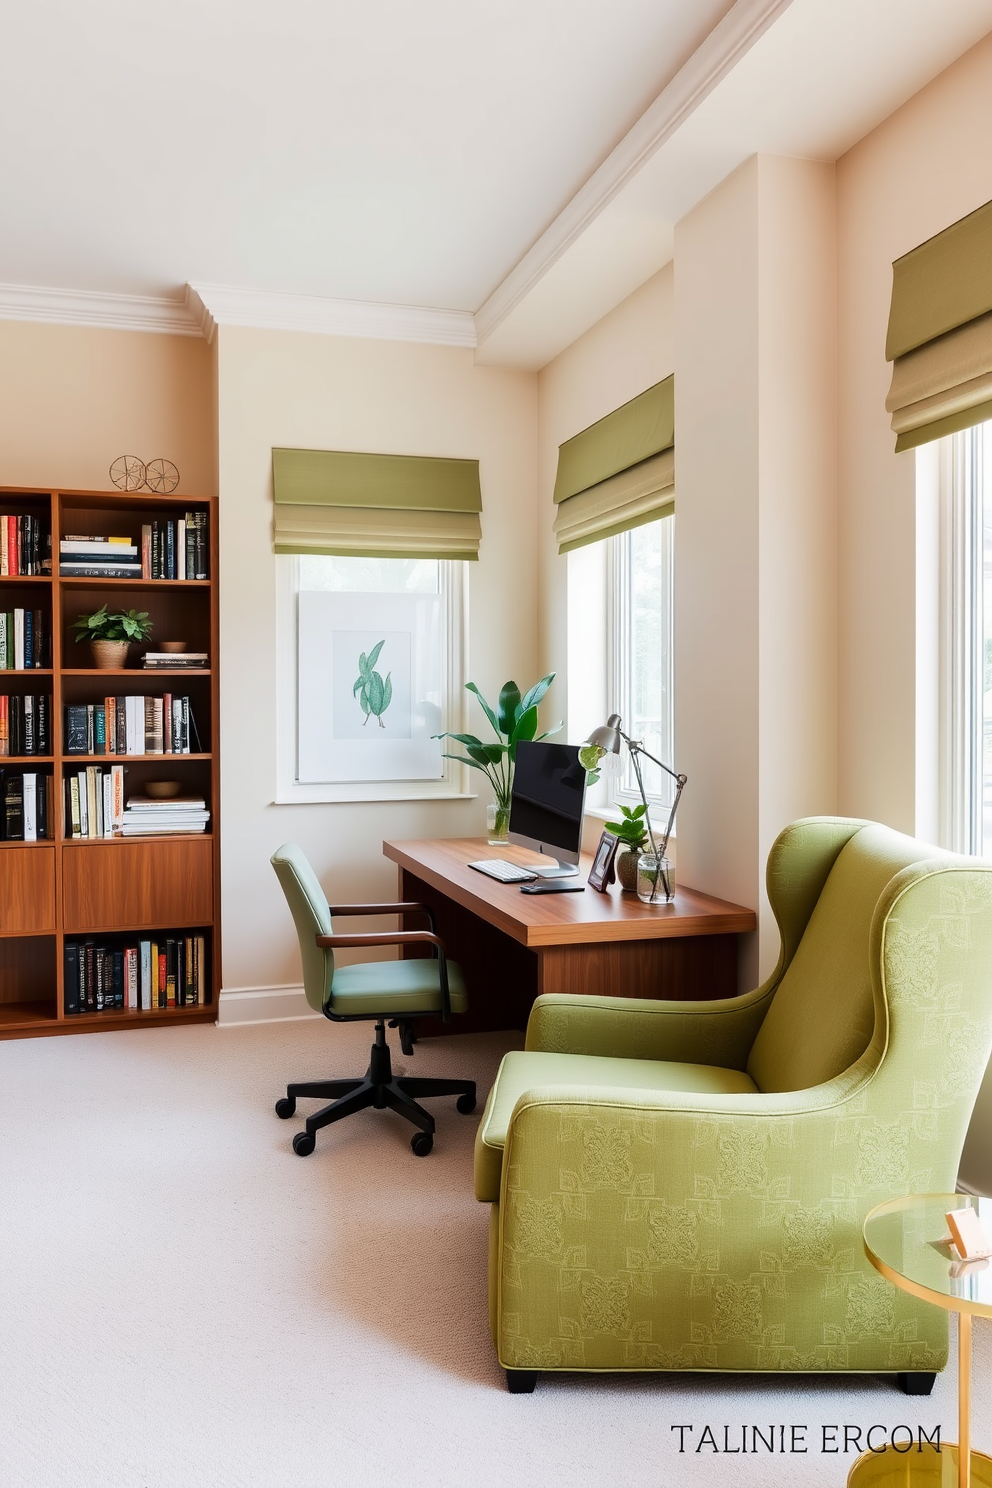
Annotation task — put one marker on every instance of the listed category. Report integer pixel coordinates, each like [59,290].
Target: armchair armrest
[719,1032]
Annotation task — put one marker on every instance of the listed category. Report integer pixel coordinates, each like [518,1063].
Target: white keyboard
[506,872]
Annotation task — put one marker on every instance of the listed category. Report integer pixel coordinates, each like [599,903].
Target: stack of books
[176,661]
[132,725]
[25,546]
[24,640]
[147,816]
[24,723]
[25,798]
[89,557]
[167,972]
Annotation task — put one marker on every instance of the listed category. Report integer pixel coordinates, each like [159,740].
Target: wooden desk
[514,946]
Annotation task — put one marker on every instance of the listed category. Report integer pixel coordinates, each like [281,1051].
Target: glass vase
[655,879]
[497,824]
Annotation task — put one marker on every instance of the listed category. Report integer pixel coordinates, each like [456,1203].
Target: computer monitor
[549,790]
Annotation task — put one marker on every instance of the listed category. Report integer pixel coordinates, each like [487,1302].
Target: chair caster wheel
[303,1144]
[286,1106]
[465,1104]
[422,1143]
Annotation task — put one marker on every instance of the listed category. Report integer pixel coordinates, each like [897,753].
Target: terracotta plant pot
[626,866]
[109,654]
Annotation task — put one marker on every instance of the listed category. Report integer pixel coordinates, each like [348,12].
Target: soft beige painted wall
[755,569]
[926,166]
[333,393]
[627,351]
[73,398]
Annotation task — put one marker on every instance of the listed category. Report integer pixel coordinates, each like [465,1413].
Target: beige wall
[324,392]
[755,579]
[73,398]
[926,166]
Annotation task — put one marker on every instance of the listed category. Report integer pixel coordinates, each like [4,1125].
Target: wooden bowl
[162,789]
[172,647]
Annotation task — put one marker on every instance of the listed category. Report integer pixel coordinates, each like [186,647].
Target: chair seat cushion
[391,987]
[528,1069]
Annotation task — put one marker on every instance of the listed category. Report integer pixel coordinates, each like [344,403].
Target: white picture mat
[334,745]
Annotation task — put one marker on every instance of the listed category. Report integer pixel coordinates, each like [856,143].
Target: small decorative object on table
[603,870]
[655,879]
[602,752]
[631,834]
[110,635]
[514,718]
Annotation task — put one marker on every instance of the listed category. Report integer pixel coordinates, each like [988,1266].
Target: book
[75,728]
[90,569]
[145,975]
[13,808]
[106,548]
[29,796]
[71,978]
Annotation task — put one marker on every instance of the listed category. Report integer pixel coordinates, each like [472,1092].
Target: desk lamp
[607,739]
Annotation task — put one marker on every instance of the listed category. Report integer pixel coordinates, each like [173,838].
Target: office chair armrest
[407,907]
[398,937]
[380,938]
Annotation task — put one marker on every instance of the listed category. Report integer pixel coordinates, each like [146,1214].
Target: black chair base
[380,1089]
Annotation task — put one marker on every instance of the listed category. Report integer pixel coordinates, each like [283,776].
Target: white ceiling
[321,162]
[373,150]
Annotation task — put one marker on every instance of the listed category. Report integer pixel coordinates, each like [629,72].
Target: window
[621,651]
[404,620]
[965,743]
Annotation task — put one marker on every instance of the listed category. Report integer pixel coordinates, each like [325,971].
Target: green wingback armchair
[681,1186]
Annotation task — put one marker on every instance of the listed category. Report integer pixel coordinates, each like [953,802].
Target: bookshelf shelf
[59,892]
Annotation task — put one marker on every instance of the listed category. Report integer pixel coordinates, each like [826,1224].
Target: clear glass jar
[497,824]
[655,879]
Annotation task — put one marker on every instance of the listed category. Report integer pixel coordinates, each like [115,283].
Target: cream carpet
[184,1303]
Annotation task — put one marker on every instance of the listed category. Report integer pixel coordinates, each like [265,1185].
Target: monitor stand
[560,869]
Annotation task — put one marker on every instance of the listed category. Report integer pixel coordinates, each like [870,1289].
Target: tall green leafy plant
[514,718]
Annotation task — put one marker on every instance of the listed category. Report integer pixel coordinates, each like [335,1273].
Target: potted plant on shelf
[514,718]
[633,833]
[110,635]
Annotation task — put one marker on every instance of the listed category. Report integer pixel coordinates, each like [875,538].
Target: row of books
[25,640]
[26,801]
[169,550]
[132,725]
[24,723]
[25,546]
[168,971]
[94,807]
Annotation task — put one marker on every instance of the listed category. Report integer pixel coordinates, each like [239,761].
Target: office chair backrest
[308,904]
[822,1016]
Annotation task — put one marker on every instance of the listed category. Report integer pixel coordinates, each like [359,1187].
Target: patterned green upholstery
[679,1224]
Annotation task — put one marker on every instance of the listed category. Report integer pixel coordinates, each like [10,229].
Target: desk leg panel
[695,968]
[500,974]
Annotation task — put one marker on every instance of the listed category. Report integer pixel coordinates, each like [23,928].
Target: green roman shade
[618,473]
[382,506]
[940,333]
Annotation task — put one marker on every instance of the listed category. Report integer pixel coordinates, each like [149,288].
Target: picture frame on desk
[603,872]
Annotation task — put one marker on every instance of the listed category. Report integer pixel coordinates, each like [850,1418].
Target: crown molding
[213,305]
[84,307]
[729,40]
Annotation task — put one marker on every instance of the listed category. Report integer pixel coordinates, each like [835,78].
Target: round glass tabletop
[906,1240]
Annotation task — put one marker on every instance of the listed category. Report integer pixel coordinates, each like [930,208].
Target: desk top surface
[559,919]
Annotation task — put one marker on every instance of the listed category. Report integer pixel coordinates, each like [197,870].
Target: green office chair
[375,990]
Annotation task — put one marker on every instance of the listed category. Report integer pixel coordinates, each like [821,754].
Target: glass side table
[903,1240]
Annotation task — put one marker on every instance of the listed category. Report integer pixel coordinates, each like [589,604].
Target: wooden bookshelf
[119,890]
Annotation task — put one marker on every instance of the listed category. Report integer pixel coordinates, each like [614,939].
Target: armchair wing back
[308,906]
[674,1222]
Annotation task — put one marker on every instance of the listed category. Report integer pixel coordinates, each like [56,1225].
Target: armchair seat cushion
[390,988]
[527,1070]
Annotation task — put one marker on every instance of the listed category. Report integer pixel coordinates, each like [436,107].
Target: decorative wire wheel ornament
[161,476]
[128,473]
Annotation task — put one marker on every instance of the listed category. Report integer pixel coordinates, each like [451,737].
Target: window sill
[367,791]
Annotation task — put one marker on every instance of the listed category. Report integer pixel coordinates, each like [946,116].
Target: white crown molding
[729,40]
[84,307]
[212,305]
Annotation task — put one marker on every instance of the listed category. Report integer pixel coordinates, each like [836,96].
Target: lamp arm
[637,748]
